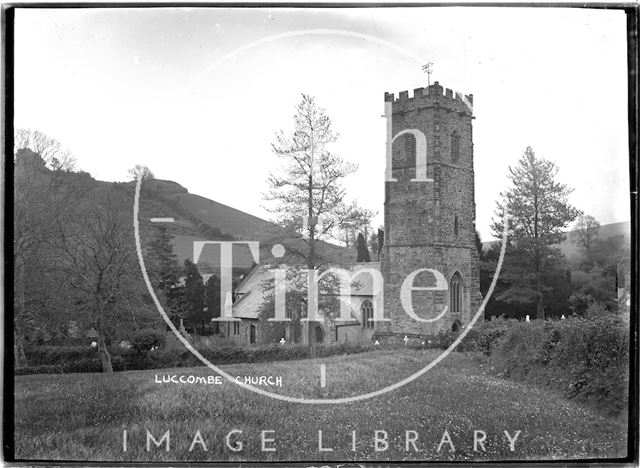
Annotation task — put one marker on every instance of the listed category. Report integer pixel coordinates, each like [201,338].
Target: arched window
[455,225]
[414,144]
[455,146]
[410,146]
[319,332]
[455,288]
[367,314]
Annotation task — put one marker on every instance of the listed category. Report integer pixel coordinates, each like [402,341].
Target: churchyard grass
[83,416]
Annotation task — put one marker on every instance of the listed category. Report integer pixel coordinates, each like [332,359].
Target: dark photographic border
[8,30]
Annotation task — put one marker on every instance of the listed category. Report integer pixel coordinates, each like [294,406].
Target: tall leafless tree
[310,185]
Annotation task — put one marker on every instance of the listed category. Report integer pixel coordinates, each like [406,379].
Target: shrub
[147,338]
[482,337]
[522,348]
[71,367]
[48,355]
[595,310]
[39,369]
[579,301]
[587,359]
[164,358]
[89,361]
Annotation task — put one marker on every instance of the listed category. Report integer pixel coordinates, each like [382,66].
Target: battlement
[424,97]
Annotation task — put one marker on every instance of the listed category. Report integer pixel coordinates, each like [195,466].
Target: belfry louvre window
[410,146]
[455,225]
[367,314]
[456,293]
[455,146]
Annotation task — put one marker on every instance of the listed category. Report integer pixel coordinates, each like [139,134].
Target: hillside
[199,219]
[622,228]
[606,231]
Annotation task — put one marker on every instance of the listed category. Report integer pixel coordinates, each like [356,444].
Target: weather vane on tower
[428,69]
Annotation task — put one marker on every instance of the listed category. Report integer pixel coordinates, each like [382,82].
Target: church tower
[429,215]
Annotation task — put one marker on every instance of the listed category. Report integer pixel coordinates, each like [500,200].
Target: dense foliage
[538,213]
[588,280]
[146,340]
[587,359]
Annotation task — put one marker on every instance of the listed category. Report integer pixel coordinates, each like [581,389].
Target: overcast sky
[169,88]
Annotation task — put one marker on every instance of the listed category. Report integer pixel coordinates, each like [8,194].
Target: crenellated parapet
[431,96]
[429,215]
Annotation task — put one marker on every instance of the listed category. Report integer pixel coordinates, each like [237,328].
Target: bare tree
[54,155]
[586,231]
[40,198]
[307,195]
[73,256]
[97,255]
[354,219]
[139,169]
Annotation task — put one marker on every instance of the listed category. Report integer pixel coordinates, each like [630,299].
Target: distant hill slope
[622,228]
[200,219]
[195,218]
[568,246]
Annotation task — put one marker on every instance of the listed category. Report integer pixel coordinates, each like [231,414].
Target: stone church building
[429,224]
[429,213]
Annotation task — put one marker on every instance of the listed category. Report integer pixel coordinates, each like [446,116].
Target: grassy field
[82,416]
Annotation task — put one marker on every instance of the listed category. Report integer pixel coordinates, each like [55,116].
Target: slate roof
[251,291]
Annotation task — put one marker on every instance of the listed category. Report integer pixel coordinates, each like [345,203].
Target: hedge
[51,355]
[483,337]
[59,359]
[587,359]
